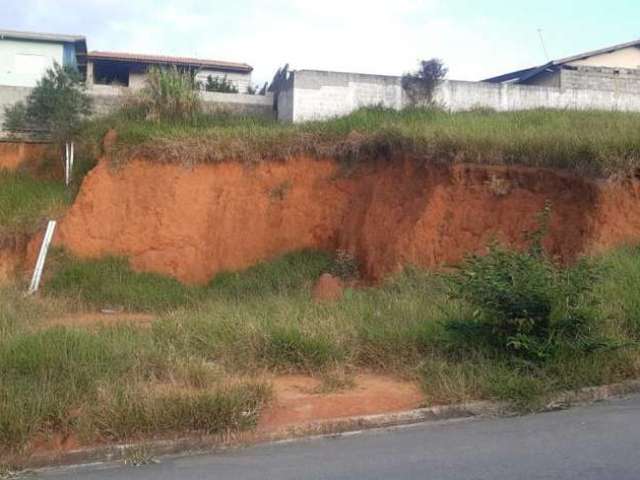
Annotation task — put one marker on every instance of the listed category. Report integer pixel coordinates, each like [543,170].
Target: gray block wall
[316,95]
[622,80]
[107,99]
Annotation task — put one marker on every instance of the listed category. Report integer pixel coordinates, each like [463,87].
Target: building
[130,70]
[615,68]
[25,56]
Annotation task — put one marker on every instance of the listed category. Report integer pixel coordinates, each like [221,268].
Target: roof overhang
[141,59]
[520,76]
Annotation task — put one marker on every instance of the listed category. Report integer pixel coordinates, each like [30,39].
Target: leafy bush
[220,84]
[57,105]
[524,304]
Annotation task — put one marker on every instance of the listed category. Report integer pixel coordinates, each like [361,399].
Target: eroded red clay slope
[191,223]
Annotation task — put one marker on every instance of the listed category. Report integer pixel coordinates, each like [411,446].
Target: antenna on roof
[544,47]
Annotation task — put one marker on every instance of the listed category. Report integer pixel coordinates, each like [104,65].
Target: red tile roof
[161,59]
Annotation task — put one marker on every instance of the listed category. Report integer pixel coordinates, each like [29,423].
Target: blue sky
[475,38]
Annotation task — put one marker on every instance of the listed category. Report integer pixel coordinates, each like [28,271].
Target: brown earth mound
[327,288]
[192,222]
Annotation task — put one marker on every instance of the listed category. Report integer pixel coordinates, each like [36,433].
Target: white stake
[71,162]
[42,256]
[66,163]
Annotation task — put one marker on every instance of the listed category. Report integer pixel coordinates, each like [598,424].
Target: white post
[42,256]
[66,163]
[71,162]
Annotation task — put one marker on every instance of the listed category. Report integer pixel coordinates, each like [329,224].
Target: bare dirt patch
[97,319]
[297,400]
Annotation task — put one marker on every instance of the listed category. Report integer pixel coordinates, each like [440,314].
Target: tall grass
[586,142]
[26,201]
[110,282]
[124,381]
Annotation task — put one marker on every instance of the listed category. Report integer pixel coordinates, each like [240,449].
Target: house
[130,69]
[25,56]
[615,68]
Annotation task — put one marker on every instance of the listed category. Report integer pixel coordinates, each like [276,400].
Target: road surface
[601,442]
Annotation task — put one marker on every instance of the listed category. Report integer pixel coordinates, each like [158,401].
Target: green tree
[57,105]
[421,84]
[220,84]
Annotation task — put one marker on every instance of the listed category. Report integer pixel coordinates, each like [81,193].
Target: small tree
[57,105]
[421,84]
[220,84]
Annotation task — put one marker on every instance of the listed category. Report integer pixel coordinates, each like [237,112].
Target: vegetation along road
[595,442]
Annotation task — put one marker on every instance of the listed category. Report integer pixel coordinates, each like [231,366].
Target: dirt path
[298,401]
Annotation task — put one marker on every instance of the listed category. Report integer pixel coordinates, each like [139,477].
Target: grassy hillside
[586,142]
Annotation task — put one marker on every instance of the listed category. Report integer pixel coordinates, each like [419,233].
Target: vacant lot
[200,358]
[200,366]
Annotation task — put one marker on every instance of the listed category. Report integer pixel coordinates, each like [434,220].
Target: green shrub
[524,304]
[220,84]
[57,104]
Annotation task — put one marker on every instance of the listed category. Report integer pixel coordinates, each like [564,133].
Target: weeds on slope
[110,282]
[25,201]
[584,142]
[176,374]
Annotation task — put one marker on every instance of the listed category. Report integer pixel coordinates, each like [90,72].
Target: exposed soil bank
[16,155]
[191,223]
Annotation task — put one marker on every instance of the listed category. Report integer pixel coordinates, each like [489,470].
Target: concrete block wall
[315,95]
[107,98]
[460,96]
[601,78]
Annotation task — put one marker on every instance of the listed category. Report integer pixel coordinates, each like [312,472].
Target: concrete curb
[334,427]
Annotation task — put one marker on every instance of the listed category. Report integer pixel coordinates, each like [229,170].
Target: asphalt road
[601,442]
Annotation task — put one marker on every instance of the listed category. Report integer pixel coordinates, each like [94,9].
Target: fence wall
[315,95]
[106,99]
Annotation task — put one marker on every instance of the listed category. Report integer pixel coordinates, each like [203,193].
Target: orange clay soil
[15,155]
[297,401]
[193,222]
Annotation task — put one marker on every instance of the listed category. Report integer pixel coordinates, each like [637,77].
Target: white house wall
[22,63]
